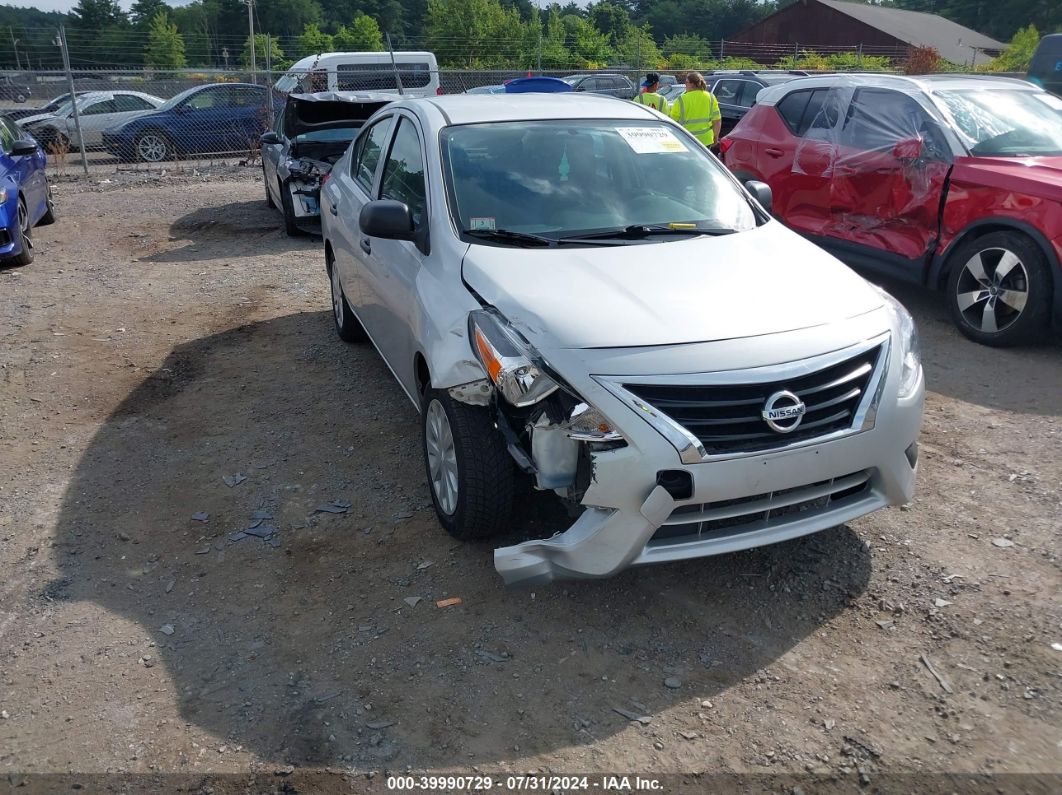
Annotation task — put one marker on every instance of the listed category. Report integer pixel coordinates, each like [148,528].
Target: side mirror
[23,148]
[761,192]
[908,150]
[388,219]
[270,139]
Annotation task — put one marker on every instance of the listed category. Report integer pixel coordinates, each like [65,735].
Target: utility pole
[250,27]
[60,41]
[394,65]
[14,43]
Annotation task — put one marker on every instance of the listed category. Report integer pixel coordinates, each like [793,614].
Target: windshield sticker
[651,140]
[485,222]
[1050,100]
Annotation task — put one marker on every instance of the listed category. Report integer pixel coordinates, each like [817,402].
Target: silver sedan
[573,287]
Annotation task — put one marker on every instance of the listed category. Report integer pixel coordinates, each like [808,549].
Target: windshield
[174,101]
[566,178]
[1005,123]
[573,79]
[64,109]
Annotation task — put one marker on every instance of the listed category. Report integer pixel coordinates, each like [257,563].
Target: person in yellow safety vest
[650,96]
[698,111]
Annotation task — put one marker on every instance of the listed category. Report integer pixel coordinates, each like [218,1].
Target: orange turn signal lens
[488,355]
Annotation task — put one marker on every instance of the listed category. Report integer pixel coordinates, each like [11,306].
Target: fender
[937,274]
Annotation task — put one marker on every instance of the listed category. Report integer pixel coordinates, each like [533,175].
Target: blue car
[25,200]
[228,117]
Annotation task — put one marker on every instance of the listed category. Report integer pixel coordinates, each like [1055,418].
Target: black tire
[286,204]
[484,480]
[23,237]
[977,304]
[49,215]
[161,152]
[272,205]
[348,327]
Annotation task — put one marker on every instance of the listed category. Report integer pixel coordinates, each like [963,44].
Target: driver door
[891,165]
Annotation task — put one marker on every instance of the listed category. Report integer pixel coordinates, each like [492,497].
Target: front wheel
[152,147]
[470,472]
[999,289]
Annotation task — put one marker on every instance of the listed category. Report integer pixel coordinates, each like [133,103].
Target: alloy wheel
[152,148]
[992,290]
[442,457]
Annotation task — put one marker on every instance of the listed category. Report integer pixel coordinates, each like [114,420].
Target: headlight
[910,347]
[3,195]
[512,364]
[588,424]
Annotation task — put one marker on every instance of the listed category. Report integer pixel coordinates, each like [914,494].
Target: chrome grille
[758,512]
[726,418]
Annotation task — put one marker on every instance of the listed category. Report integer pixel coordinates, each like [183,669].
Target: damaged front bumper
[732,502]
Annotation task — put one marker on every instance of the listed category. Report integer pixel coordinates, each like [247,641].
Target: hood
[1040,176]
[306,113]
[763,281]
[27,121]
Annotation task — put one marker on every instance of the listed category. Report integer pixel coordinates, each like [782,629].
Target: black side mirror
[761,192]
[23,148]
[270,139]
[388,219]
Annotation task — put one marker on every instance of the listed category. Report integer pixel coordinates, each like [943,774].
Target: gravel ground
[169,379]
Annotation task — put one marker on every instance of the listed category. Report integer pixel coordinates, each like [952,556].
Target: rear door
[201,122]
[94,118]
[346,192]
[889,174]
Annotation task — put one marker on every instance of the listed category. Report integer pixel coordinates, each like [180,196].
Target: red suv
[954,182]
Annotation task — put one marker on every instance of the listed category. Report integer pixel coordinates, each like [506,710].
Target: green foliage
[312,41]
[474,34]
[275,57]
[97,15]
[856,62]
[165,47]
[688,44]
[1019,53]
[144,11]
[638,49]
[363,35]
[1000,20]
[808,60]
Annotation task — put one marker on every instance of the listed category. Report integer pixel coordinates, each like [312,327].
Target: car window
[7,136]
[127,102]
[749,90]
[879,118]
[211,98]
[244,97]
[107,106]
[791,109]
[727,91]
[381,76]
[803,112]
[403,174]
[367,153]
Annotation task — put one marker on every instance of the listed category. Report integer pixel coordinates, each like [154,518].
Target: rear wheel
[999,289]
[470,472]
[152,147]
[348,327]
[23,236]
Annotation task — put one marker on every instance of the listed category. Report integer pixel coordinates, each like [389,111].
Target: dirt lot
[170,336]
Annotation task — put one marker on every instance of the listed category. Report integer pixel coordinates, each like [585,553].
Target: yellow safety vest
[696,111]
[653,100]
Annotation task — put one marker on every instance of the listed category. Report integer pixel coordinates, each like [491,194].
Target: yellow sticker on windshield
[651,140]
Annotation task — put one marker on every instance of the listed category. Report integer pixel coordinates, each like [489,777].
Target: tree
[474,34]
[165,47]
[312,41]
[1019,53]
[363,35]
[610,19]
[687,44]
[275,56]
[288,17]
[638,49]
[143,12]
[97,15]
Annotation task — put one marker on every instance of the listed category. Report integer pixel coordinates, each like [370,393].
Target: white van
[363,72]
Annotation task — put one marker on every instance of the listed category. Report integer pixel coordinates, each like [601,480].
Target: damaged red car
[950,181]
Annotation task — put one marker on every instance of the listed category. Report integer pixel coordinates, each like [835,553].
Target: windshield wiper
[508,236]
[639,231]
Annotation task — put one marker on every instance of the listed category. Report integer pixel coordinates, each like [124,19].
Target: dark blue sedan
[228,117]
[25,200]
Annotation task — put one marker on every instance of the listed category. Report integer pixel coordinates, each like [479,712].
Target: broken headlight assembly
[518,372]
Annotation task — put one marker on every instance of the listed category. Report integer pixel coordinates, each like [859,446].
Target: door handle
[333,207]
[366,245]
[774,151]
